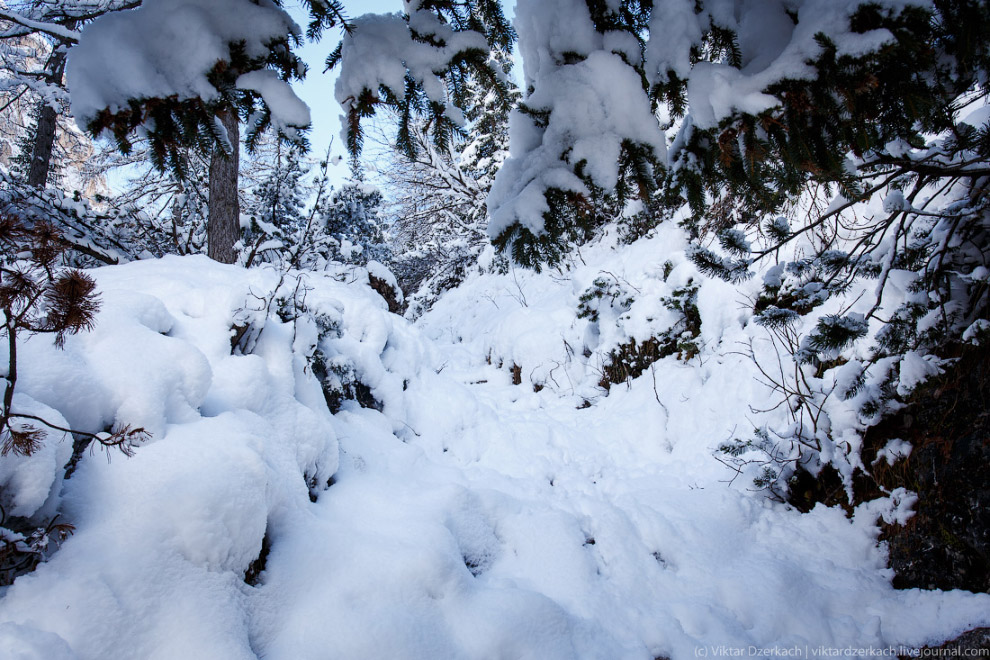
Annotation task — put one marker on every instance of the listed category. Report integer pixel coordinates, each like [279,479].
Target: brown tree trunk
[224,227]
[44,134]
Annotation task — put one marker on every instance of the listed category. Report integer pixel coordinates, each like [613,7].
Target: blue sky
[317,89]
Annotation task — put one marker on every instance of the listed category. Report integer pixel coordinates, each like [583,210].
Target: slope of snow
[469,518]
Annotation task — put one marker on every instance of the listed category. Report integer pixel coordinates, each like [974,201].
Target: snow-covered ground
[469,518]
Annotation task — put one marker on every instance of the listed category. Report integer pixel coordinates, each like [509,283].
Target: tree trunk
[224,227]
[44,134]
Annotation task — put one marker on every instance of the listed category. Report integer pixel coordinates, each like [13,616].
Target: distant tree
[437,207]
[436,198]
[352,218]
[275,200]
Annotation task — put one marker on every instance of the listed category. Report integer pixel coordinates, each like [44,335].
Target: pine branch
[122,439]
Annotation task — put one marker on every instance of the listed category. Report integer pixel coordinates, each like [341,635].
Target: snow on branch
[170,48]
[416,63]
[54,29]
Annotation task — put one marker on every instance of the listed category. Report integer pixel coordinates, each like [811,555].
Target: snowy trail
[513,525]
[471,518]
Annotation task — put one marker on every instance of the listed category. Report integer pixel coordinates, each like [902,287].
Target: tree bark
[44,134]
[223,228]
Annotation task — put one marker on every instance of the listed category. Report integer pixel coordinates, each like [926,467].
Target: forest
[603,329]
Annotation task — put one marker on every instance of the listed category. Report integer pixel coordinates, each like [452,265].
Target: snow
[28,482]
[486,496]
[916,369]
[42,26]
[27,643]
[594,106]
[893,451]
[381,271]
[287,108]
[895,201]
[674,30]
[551,27]
[469,518]
[973,332]
[381,49]
[363,69]
[772,48]
[591,99]
[594,103]
[978,117]
[168,48]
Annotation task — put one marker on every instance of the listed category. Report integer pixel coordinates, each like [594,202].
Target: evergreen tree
[890,120]
[240,74]
[588,148]
[352,219]
[275,201]
[768,105]
[822,144]
[421,65]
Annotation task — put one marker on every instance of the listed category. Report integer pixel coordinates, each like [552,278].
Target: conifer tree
[352,218]
[888,121]
[589,143]
[198,101]
[767,104]
[421,65]
[275,200]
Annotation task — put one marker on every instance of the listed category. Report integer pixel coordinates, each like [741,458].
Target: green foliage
[774,317]
[571,219]
[605,290]
[324,14]
[352,218]
[832,333]
[633,358]
[861,126]
[714,265]
[464,68]
[845,132]
[857,105]
[764,460]
[275,203]
[335,372]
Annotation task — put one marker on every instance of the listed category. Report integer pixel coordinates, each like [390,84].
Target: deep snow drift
[469,518]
